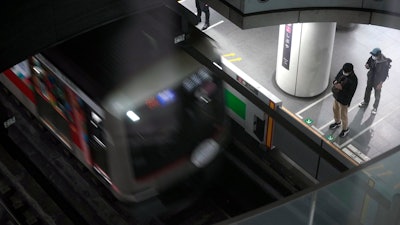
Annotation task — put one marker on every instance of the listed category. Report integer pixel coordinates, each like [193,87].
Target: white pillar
[304,58]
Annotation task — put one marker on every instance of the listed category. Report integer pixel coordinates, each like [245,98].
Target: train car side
[131,105]
[44,102]
[17,81]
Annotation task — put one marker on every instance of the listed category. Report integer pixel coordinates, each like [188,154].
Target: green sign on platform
[235,104]
[330,137]
[308,121]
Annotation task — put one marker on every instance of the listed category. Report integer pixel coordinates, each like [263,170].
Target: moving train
[134,107]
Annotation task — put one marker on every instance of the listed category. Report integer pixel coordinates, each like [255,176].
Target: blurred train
[129,103]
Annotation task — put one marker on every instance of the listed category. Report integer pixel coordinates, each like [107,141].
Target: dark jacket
[349,85]
[378,69]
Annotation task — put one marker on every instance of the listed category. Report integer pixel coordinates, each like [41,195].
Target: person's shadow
[362,130]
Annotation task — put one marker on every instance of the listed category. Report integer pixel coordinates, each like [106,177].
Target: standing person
[203,7]
[344,87]
[378,66]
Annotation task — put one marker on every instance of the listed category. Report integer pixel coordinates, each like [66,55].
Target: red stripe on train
[20,84]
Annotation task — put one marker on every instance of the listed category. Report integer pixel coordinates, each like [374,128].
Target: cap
[348,67]
[376,51]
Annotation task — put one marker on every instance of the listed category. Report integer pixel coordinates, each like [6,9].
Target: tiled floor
[254,51]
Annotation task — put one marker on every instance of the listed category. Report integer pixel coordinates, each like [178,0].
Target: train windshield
[169,125]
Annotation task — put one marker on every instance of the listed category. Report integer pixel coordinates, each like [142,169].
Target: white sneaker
[374,111]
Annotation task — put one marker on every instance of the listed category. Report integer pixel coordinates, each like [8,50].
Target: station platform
[254,51]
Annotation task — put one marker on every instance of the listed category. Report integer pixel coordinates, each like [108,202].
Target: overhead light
[95,117]
[132,116]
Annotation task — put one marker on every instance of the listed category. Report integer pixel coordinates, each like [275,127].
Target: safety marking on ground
[346,147]
[330,138]
[214,25]
[228,54]
[309,121]
[314,103]
[367,128]
[229,57]
[358,152]
[355,154]
[330,122]
[352,155]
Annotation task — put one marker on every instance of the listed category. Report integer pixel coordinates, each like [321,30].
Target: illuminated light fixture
[99,142]
[95,117]
[217,65]
[132,116]
[37,70]
[165,97]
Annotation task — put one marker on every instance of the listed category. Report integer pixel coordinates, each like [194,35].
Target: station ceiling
[28,27]
[248,14]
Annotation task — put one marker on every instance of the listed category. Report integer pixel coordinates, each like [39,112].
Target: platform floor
[254,51]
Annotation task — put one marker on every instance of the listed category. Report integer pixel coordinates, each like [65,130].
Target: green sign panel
[234,103]
[330,137]
[308,121]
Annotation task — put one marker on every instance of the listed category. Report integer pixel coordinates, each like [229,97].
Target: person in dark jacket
[203,7]
[378,66]
[344,87]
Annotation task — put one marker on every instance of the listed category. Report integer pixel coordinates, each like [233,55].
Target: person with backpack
[378,66]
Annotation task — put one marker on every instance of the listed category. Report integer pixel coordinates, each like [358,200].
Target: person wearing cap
[343,89]
[378,70]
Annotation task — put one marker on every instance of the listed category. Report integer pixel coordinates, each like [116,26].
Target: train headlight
[205,152]
[133,116]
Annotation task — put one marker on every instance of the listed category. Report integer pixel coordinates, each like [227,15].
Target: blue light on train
[166,97]
[133,116]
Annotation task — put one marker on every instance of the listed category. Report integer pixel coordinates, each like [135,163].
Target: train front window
[169,125]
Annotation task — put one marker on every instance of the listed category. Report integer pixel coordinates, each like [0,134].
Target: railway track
[246,180]
[15,207]
[234,191]
[200,201]
[21,195]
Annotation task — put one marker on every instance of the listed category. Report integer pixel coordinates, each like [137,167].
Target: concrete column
[304,58]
